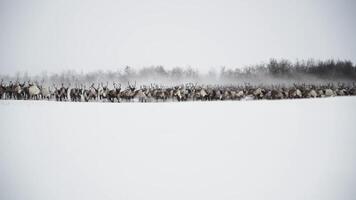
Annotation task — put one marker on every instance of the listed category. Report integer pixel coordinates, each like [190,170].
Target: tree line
[329,70]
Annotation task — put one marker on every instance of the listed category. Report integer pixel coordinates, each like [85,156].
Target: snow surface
[289,149]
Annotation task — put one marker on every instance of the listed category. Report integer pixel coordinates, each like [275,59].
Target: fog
[281,72]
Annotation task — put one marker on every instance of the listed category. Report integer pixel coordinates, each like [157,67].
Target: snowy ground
[289,149]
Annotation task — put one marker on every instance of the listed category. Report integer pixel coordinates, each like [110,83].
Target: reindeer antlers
[131,86]
[114,84]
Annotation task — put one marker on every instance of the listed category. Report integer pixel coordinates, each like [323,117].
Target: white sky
[90,35]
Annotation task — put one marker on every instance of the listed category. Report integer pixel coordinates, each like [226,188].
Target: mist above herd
[272,72]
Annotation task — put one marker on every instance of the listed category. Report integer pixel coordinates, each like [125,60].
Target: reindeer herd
[153,92]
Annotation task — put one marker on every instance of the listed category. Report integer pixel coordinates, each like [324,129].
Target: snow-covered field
[289,149]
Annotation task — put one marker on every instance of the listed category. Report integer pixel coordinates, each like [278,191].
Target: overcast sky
[90,35]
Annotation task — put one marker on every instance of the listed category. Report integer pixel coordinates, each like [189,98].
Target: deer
[114,93]
[34,91]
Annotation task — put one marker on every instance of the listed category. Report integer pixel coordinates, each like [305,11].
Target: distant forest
[282,70]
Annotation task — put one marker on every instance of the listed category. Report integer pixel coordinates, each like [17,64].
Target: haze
[52,36]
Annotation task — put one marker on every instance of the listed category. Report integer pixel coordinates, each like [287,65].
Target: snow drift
[288,149]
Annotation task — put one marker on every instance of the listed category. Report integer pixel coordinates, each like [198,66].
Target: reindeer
[178,93]
[259,93]
[341,90]
[34,91]
[61,94]
[275,93]
[17,90]
[9,90]
[329,92]
[130,92]
[184,92]
[294,92]
[352,90]
[2,89]
[160,94]
[201,94]
[76,94]
[91,94]
[45,92]
[114,93]
[141,95]
[103,91]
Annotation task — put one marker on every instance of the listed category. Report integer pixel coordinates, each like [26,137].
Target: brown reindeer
[114,93]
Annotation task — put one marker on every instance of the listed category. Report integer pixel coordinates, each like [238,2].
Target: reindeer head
[132,87]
